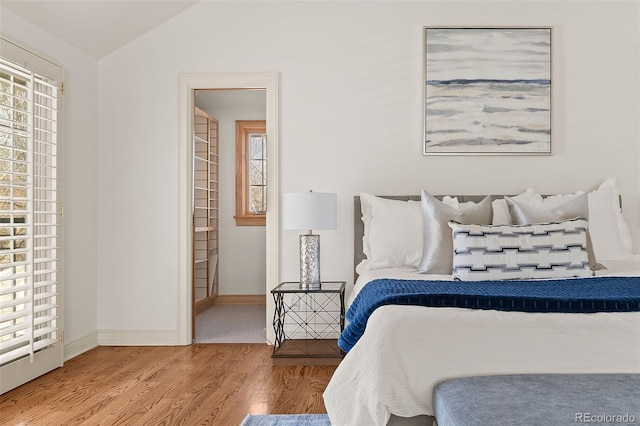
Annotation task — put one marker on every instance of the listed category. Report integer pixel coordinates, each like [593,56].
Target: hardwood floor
[201,384]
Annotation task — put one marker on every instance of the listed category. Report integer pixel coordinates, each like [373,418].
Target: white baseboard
[240,299]
[97,338]
[138,338]
[80,345]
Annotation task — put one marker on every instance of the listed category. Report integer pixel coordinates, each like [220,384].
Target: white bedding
[406,350]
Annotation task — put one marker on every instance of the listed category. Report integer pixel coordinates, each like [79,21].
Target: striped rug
[286,420]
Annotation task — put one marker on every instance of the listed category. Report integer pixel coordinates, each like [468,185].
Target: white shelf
[205,236]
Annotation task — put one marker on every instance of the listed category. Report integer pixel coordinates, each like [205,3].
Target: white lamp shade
[309,210]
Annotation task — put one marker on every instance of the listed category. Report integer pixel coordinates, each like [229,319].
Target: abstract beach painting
[488,91]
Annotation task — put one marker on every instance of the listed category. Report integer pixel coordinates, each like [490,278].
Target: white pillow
[454,203]
[524,214]
[609,232]
[501,214]
[437,249]
[393,233]
[507,252]
[499,207]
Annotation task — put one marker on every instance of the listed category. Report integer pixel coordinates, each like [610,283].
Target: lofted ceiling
[97,27]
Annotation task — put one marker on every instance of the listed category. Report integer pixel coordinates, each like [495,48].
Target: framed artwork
[487,90]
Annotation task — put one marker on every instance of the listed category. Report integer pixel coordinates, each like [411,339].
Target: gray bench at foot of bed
[538,399]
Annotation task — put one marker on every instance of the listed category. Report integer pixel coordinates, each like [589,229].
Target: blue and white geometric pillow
[506,252]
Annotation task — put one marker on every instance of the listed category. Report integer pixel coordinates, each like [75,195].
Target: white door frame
[189,83]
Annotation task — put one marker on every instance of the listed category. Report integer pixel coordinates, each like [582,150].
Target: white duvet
[406,350]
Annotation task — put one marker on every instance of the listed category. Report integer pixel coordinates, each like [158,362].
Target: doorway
[236,313]
[189,83]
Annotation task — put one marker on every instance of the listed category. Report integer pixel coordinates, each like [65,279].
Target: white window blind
[29,194]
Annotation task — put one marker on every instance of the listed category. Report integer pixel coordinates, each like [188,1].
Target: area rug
[286,420]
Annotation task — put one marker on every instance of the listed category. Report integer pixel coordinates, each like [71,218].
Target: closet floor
[232,324]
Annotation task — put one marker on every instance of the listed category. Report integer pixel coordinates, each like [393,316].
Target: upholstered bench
[538,399]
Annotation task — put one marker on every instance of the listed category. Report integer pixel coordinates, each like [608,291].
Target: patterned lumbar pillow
[502,252]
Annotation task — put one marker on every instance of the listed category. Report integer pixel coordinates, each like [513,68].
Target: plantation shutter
[30,228]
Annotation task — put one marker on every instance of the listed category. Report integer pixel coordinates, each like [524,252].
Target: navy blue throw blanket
[571,295]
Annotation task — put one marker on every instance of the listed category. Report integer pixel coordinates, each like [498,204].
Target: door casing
[188,84]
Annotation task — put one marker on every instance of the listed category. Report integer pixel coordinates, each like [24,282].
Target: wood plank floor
[201,384]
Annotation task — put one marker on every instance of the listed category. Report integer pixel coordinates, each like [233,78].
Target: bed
[406,350]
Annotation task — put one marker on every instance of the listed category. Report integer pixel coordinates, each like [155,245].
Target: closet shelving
[205,209]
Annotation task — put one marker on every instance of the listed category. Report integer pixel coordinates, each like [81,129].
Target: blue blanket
[572,295]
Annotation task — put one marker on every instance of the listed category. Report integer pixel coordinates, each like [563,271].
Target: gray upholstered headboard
[358,225]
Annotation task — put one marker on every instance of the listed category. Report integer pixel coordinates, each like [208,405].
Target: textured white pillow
[501,252]
[392,233]
[609,231]
[501,214]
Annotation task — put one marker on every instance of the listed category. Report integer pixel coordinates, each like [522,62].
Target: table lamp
[309,210]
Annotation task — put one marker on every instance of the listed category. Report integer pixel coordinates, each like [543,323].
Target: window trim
[242,216]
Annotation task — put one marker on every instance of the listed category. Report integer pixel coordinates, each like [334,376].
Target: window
[251,173]
[30,244]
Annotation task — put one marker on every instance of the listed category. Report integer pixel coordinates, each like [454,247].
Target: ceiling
[97,27]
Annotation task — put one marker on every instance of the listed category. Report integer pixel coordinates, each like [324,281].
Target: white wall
[242,248]
[80,136]
[350,121]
